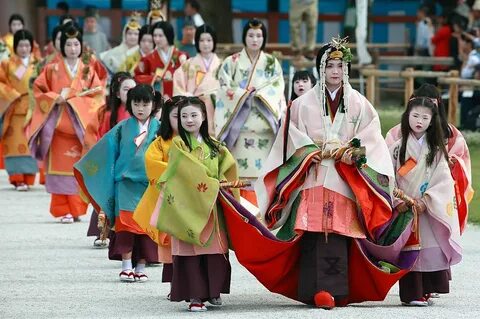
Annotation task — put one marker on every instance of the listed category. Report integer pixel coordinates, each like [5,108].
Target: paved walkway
[50,270]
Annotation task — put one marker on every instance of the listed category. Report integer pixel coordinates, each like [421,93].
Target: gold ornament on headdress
[255,27]
[72,35]
[133,23]
[339,43]
[156,10]
[339,49]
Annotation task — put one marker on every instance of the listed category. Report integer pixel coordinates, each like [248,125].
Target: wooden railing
[451,79]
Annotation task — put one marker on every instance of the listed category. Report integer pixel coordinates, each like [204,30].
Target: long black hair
[69,31]
[22,35]
[205,29]
[165,130]
[167,29]
[434,133]
[301,75]
[15,17]
[195,101]
[431,91]
[255,24]
[114,101]
[144,93]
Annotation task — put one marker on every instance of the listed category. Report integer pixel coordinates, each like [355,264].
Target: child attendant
[421,165]
[301,83]
[188,209]
[112,175]
[107,117]
[156,160]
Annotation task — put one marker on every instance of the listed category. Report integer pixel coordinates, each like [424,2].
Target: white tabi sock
[140,269]
[127,264]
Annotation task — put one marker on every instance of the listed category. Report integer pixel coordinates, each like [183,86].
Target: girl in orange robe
[15,74]
[68,93]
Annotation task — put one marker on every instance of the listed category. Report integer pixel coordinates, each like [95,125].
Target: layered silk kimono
[58,130]
[114,58]
[461,171]
[156,161]
[196,78]
[330,198]
[112,174]
[248,122]
[439,229]
[14,107]
[131,62]
[154,70]
[187,207]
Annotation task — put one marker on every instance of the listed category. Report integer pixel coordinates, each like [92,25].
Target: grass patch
[389,117]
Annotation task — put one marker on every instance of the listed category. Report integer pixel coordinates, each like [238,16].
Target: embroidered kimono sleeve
[7,92]
[180,80]
[42,90]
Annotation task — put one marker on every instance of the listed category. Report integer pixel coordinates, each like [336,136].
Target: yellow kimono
[8,41]
[156,161]
[133,57]
[14,106]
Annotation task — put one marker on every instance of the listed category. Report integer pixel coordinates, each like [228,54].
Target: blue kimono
[112,174]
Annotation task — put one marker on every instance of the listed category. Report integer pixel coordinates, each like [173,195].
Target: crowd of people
[187,154]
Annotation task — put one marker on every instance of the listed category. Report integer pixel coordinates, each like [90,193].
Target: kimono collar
[72,71]
[165,56]
[143,127]
[25,61]
[421,140]
[334,93]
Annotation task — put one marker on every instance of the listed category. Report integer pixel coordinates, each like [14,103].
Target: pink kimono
[461,169]
[197,77]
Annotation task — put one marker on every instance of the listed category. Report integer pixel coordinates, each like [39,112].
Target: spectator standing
[192,13]
[472,56]
[95,39]
[441,41]
[424,32]
[303,11]
[188,39]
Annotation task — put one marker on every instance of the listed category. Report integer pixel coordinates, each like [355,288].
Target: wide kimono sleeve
[156,161]
[273,94]
[95,172]
[144,72]
[8,94]
[180,80]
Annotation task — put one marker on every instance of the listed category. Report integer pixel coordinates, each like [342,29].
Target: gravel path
[51,270]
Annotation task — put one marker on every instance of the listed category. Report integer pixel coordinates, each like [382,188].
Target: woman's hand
[317,159]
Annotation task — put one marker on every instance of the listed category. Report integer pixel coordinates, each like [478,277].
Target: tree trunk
[218,14]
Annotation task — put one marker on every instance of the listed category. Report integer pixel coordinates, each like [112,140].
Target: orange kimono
[58,130]
[153,69]
[14,106]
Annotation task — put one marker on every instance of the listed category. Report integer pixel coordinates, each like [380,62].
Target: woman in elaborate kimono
[197,76]
[187,209]
[112,175]
[109,115]
[250,103]
[15,74]
[318,132]
[457,148]
[156,160]
[145,47]
[421,164]
[68,94]
[157,68]
[16,23]
[115,57]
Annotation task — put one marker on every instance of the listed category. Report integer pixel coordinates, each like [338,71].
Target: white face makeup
[142,110]
[254,39]
[131,38]
[419,120]
[160,39]
[173,118]
[124,88]
[73,47]
[301,86]
[333,73]
[205,43]
[24,48]
[191,119]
